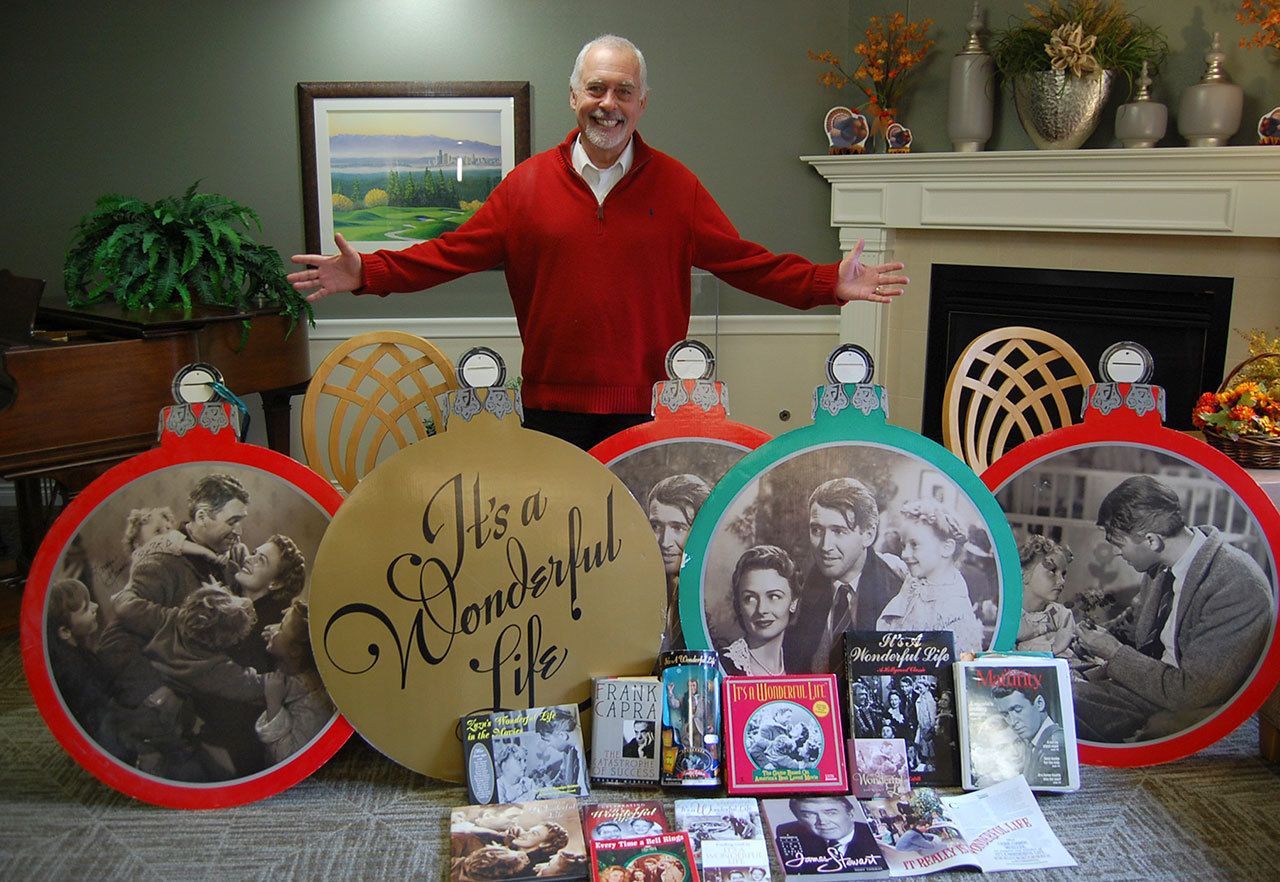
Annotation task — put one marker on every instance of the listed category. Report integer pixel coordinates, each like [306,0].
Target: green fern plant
[178,251]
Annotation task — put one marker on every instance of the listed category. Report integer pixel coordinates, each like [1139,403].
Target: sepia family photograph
[1151,578]
[176,627]
[840,537]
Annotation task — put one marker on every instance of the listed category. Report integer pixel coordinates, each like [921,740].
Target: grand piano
[82,389]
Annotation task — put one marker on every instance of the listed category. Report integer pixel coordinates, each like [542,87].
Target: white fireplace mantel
[1206,191]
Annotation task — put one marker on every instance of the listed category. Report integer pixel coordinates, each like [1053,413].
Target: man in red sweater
[597,237]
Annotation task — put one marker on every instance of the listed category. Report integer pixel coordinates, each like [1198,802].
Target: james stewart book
[824,836]
[1018,720]
[666,857]
[529,840]
[735,819]
[900,685]
[519,755]
[690,718]
[878,767]
[624,820]
[783,734]
[626,716]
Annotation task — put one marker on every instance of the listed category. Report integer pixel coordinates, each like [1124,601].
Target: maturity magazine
[1019,720]
[900,685]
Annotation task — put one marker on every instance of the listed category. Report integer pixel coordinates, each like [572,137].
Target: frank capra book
[900,685]
[783,734]
[522,841]
[520,755]
[626,718]
[690,718]
[1018,720]
[666,857]
[624,820]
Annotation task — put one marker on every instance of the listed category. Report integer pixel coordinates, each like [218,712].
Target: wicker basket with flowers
[1242,419]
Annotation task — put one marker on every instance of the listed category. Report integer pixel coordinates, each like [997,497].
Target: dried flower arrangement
[889,50]
[1265,15]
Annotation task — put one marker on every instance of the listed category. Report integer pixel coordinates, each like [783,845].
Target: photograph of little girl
[845,536]
[176,627]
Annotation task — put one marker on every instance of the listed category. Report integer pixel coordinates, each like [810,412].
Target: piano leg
[275,411]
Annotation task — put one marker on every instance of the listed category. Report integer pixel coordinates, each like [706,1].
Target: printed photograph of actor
[1151,578]
[671,480]
[872,548]
[1015,721]
[176,623]
[834,828]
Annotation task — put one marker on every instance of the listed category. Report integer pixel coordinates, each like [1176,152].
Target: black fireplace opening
[1182,320]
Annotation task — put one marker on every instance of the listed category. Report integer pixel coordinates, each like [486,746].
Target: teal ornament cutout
[763,500]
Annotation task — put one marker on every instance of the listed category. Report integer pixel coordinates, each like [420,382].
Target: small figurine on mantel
[1269,128]
[847,132]
[899,138]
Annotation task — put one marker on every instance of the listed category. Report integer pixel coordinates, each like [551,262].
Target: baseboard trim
[500,328]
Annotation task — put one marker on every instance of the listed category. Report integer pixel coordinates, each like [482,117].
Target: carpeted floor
[1214,816]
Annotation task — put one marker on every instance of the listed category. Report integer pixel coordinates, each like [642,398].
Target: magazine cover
[900,685]
[624,820]
[536,753]
[690,718]
[823,836]
[1018,721]
[724,860]
[667,857]
[626,714]
[878,767]
[783,734]
[528,840]
[718,820]
[999,828]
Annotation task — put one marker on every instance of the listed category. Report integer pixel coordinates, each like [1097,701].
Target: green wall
[145,96]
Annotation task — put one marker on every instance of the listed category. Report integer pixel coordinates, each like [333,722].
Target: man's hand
[858,281]
[1099,643]
[338,272]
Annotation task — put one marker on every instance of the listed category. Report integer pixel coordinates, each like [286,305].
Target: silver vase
[1060,111]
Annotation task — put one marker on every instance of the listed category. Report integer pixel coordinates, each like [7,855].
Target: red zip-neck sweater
[601,292]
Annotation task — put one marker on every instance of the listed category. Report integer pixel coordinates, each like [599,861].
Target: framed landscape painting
[391,164]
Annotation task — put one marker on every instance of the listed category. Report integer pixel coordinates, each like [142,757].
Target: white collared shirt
[1179,570]
[601,180]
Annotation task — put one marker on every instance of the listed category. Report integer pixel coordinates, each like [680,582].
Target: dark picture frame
[414,109]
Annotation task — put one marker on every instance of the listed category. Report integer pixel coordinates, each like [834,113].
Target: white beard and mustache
[607,137]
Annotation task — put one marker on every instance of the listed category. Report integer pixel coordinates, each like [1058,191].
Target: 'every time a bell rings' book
[783,734]
[626,717]
[1018,719]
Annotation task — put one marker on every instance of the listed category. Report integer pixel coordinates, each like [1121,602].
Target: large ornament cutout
[489,567]
[1115,514]
[160,634]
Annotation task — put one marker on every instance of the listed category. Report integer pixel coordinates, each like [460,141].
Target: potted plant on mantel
[1062,59]
[175,255]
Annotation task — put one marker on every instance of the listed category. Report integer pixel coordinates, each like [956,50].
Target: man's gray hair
[612,41]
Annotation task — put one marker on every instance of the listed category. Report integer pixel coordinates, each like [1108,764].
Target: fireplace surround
[1184,211]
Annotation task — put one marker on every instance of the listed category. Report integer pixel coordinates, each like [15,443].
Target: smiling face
[671,526]
[609,103]
[1044,582]
[765,604]
[828,818]
[838,546]
[924,552]
[219,530]
[259,570]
